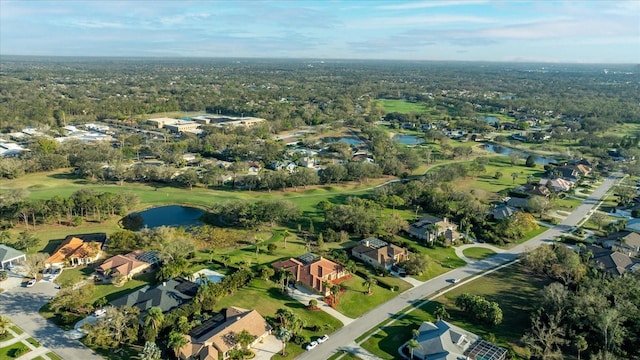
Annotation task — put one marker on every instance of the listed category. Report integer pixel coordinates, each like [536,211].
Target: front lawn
[112,292]
[478,253]
[13,351]
[512,287]
[355,301]
[439,261]
[266,297]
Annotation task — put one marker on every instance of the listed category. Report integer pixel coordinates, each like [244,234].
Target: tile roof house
[77,250]
[10,256]
[444,341]
[430,227]
[379,253]
[628,244]
[557,184]
[167,296]
[311,271]
[127,265]
[215,337]
[613,262]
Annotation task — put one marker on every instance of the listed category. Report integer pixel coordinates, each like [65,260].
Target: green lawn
[439,260]
[341,354]
[266,298]
[477,253]
[33,342]
[6,336]
[113,292]
[402,106]
[355,301]
[70,276]
[511,287]
[17,330]
[7,352]
[53,356]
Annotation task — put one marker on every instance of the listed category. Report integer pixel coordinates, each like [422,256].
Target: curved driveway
[350,332]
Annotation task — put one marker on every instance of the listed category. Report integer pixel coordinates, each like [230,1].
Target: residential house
[537,190]
[430,227]
[10,256]
[613,262]
[78,250]
[213,339]
[564,172]
[633,225]
[558,184]
[502,211]
[167,296]
[128,265]
[518,202]
[444,341]
[379,253]
[628,244]
[312,271]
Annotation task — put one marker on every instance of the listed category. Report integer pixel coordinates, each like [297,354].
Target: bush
[272,247]
[17,352]
[299,339]
[384,284]
[3,275]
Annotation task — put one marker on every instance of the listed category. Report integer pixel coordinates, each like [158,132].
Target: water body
[346,140]
[172,215]
[503,150]
[408,139]
[491,119]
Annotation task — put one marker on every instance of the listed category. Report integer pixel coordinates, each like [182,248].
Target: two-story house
[379,253]
[313,271]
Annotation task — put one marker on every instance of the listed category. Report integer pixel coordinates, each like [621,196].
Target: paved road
[350,332]
[21,304]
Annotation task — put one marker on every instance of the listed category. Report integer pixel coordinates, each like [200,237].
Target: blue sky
[551,31]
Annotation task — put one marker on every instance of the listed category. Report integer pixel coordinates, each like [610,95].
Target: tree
[335,291]
[599,219]
[285,235]
[441,313]
[25,241]
[5,324]
[119,326]
[244,338]
[284,335]
[369,283]
[412,345]
[176,341]
[151,351]
[539,204]
[313,304]
[188,178]
[581,344]
[266,272]
[152,322]
[514,176]
[35,263]
[530,162]
[545,337]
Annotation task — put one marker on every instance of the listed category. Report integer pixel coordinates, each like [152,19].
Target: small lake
[346,140]
[503,150]
[491,120]
[172,215]
[408,139]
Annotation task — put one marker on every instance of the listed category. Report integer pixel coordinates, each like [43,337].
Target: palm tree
[4,324]
[203,279]
[152,323]
[369,283]
[514,176]
[257,241]
[284,335]
[412,345]
[441,313]
[285,235]
[335,290]
[245,338]
[415,333]
[176,342]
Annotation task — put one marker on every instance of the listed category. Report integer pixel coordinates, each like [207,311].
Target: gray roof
[443,341]
[502,211]
[612,261]
[8,253]
[374,243]
[168,295]
[516,202]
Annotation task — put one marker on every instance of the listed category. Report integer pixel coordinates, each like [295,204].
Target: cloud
[426,20]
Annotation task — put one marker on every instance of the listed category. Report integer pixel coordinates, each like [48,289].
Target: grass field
[511,287]
[355,301]
[266,297]
[402,106]
[478,253]
[53,356]
[6,353]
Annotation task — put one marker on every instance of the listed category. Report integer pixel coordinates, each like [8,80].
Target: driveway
[266,349]
[345,336]
[21,304]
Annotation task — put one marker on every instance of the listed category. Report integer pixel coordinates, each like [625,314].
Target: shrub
[17,352]
[272,247]
[3,275]
[299,339]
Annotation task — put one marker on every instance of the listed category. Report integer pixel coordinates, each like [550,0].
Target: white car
[324,338]
[100,312]
[455,281]
[31,283]
[312,345]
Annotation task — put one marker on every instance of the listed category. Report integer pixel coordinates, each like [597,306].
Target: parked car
[455,281]
[324,338]
[312,345]
[100,312]
[31,283]
[10,267]
[56,271]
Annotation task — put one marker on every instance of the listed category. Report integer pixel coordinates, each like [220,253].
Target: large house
[78,250]
[379,253]
[127,265]
[444,341]
[167,296]
[10,256]
[215,337]
[312,271]
[628,244]
[430,227]
[613,262]
[558,184]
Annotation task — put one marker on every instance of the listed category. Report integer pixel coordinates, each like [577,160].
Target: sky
[577,31]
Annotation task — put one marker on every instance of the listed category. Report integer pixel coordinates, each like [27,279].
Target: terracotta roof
[220,338]
[124,264]
[73,247]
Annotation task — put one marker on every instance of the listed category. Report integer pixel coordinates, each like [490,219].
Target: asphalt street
[350,332]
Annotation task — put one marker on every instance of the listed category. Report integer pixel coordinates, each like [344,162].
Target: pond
[346,140]
[491,120]
[503,150]
[408,139]
[172,215]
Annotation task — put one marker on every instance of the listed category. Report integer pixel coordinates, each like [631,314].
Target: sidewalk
[34,352]
[303,296]
[358,351]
